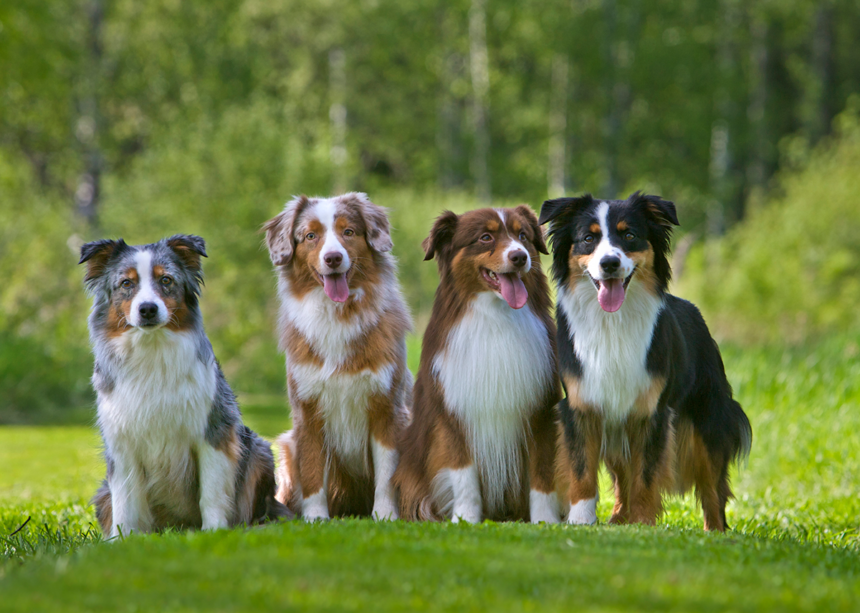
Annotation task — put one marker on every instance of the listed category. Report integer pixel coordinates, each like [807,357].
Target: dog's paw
[543,507]
[583,513]
[385,512]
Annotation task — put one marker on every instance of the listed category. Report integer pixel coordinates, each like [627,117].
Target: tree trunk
[758,102]
[557,162]
[823,69]
[478,59]
[89,124]
[337,118]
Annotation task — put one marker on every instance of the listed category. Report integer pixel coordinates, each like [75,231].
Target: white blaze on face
[514,245]
[146,291]
[326,211]
[607,249]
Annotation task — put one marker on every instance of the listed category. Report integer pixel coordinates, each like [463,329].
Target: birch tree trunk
[89,123]
[557,162]
[479,64]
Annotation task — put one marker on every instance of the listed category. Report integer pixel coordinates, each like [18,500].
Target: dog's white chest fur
[159,406]
[494,371]
[342,398]
[612,347]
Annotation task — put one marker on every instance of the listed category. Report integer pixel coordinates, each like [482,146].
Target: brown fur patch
[646,403]
[622,226]
[645,275]
[230,447]
[594,228]
[697,467]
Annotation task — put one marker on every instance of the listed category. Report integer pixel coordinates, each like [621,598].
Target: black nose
[610,264]
[148,311]
[518,258]
[333,259]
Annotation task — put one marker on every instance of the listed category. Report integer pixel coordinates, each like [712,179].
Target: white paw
[469,516]
[315,507]
[543,508]
[583,513]
[385,511]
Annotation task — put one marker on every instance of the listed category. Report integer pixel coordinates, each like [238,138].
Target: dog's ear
[189,249]
[97,254]
[539,240]
[280,229]
[440,235]
[376,219]
[551,209]
[661,211]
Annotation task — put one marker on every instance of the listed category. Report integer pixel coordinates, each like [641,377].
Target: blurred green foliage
[205,117]
[791,271]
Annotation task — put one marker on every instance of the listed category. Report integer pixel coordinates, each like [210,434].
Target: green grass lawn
[795,543]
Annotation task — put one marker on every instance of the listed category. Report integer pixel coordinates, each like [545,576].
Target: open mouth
[509,285]
[611,292]
[336,285]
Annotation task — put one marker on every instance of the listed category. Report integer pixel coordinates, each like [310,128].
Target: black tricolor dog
[177,453]
[646,390]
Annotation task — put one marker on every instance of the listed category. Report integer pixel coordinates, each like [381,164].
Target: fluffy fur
[343,325]
[481,444]
[646,390]
[177,453]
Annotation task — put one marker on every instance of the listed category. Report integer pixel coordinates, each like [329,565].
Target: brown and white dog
[482,440]
[343,325]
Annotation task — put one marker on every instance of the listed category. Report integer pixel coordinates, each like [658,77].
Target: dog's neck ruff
[612,347]
[163,385]
[320,320]
[495,369]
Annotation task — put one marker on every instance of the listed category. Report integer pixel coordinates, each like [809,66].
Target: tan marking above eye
[131,273]
[157,271]
[594,228]
[622,226]
[493,225]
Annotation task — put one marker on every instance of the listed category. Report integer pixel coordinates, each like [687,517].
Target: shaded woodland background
[143,119]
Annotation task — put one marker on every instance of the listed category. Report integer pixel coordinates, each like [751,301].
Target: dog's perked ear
[539,240]
[661,211]
[97,254]
[279,231]
[551,209]
[376,220]
[189,249]
[440,235]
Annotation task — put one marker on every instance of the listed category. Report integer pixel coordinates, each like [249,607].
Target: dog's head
[488,250]
[611,243]
[147,286]
[330,242]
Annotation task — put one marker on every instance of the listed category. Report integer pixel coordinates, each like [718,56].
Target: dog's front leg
[583,434]
[310,443]
[543,500]
[217,486]
[130,510]
[383,423]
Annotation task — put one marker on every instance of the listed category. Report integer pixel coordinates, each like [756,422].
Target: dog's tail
[744,435]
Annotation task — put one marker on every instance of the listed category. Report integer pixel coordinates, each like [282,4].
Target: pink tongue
[611,294]
[335,287]
[513,290]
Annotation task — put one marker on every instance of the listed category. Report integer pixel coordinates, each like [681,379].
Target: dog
[343,326]
[482,440]
[176,450]
[645,386]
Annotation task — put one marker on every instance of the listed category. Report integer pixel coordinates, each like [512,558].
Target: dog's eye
[310,236]
[629,236]
[348,232]
[522,236]
[166,281]
[486,238]
[589,238]
[126,284]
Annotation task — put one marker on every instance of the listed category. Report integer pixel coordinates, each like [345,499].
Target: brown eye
[522,236]
[126,284]
[486,238]
[629,236]
[348,232]
[166,281]
[589,238]
[310,236]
